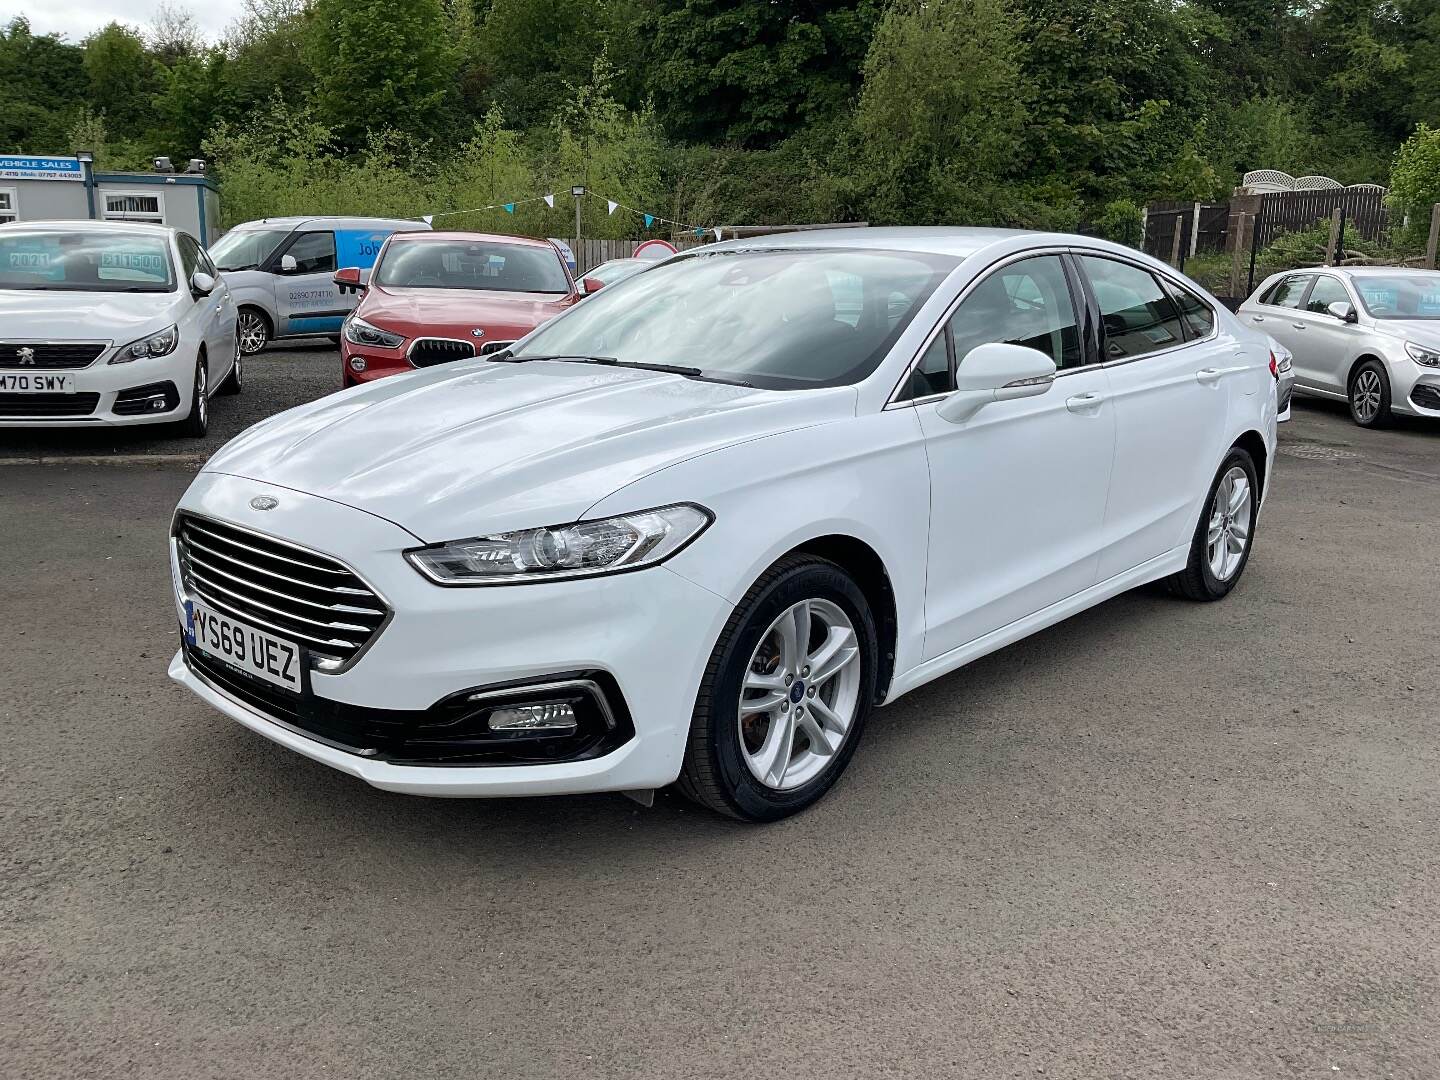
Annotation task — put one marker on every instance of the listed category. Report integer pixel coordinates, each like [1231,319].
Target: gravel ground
[1159,840]
[279,378]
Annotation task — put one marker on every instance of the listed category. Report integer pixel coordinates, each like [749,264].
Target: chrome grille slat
[279,587]
[345,590]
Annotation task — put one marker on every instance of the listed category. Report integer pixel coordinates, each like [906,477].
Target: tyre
[785,696]
[253,329]
[1369,394]
[1225,533]
[197,423]
[235,381]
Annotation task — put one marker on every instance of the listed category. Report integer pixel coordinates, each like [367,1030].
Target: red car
[434,297]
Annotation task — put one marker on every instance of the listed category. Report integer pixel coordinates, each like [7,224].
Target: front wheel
[197,423]
[1221,545]
[785,696]
[253,329]
[1370,395]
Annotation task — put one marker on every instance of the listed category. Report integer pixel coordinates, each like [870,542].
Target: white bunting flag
[612,204]
[550,201]
[427,218]
[719,233]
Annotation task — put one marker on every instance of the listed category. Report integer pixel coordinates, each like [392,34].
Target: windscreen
[781,319]
[246,249]
[471,264]
[86,262]
[1400,296]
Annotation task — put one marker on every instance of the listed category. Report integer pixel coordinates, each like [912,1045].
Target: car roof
[1374,271]
[72,225]
[294,222]
[495,238]
[958,241]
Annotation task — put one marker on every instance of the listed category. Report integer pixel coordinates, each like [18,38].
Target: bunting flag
[612,204]
[509,207]
[649,220]
[550,201]
[429,219]
[719,233]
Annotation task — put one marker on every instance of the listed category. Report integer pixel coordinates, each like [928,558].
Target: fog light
[547,716]
[357,363]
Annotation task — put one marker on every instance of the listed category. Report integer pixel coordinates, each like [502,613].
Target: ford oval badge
[263,502]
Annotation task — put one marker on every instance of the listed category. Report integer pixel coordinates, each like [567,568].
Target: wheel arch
[864,564]
[1363,358]
[1253,443]
[265,317]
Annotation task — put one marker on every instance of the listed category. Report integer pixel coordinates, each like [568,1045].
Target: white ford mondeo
[696,528]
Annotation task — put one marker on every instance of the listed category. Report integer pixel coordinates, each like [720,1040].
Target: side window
[1024,303]
[313,252]
[207,265]
[1136,313]
[1326,291]
[1288,292]
[189,255]
[932,373]
[1199,316]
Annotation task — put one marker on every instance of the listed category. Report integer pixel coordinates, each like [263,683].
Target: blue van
[280,271]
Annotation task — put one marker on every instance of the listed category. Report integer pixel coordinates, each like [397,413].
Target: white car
[1367,335]
[696,527]
[111,323]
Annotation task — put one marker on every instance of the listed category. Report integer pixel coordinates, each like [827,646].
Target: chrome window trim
[323,665]
[1282,275]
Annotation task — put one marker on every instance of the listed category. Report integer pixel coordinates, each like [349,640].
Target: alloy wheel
[1231,515]
[252,334]
[1365,395]
[801,694]
[202,396]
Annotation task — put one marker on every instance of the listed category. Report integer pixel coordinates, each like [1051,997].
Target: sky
[76,19]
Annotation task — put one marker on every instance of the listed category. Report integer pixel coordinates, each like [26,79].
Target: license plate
[242,646]
[36,384]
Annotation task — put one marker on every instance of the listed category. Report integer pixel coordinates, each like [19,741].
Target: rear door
[1171,378]
[307,300]
[1275,313]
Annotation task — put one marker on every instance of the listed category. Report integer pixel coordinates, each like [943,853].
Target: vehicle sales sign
[22,167]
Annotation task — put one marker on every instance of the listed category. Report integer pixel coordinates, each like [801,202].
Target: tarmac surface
[1159,840]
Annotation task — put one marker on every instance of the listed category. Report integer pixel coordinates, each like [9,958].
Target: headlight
[360,332]
[154,345]
[1423,355]
[584,549]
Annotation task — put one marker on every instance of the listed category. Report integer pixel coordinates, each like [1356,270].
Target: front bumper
[1420,394]
[99,389]
[651,632]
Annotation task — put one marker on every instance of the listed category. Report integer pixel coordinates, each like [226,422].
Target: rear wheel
[1221,545]
[785,696]
[1370,395]
[197,423]
[254,330]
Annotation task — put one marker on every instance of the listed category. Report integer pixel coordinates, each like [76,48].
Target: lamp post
[87,162]
[579,193]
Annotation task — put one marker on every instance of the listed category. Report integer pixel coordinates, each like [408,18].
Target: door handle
[1209,376]
[1298,325]
[1088,402]
[1257,318]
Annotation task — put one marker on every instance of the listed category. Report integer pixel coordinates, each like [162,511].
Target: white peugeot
[695,528]
[111,323]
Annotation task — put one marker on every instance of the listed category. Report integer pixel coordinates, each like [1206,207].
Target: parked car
[111,324]
[607,273]
[695,528]
[1284,378]
[1366,335]
[281,271]
[434,298]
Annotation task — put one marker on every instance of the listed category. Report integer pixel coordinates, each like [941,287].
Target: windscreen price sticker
[29,260]
[133,260]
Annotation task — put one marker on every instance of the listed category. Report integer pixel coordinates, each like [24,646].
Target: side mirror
[288,265]
[996,371]
[348,279]
[1343,310]
[591,285]
[201,283]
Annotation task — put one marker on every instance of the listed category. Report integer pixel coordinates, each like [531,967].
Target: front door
[307,300]
[1017,491]
[1329,342]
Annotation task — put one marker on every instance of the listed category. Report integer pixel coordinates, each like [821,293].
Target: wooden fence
[1366,214]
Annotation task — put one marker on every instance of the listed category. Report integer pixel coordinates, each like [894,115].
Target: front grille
[46,406]
[427,352]
[50,355]
[291,591]
[1426,396]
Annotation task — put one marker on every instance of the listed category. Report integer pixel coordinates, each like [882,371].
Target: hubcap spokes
[1228,533]
[1367,395]
[252,333]
[200,388]
[800,695]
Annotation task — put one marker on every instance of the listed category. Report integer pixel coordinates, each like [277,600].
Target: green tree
[531,51]
[121,78]
[1415,179]
[42,85]
[379,65]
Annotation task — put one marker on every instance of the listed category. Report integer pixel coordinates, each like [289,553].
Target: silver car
[1366,335]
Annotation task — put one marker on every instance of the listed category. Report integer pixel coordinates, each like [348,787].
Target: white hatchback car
[111,323]
[696,527]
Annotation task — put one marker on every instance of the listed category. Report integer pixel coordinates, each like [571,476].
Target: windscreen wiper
[508,357]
